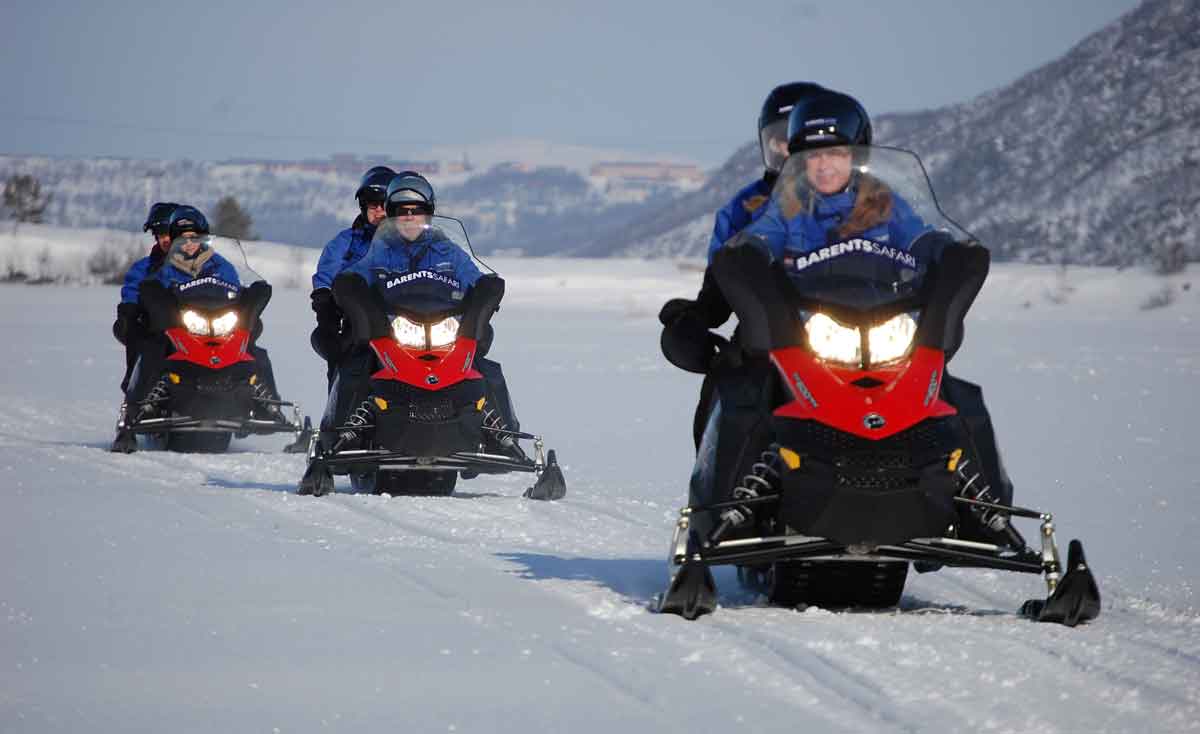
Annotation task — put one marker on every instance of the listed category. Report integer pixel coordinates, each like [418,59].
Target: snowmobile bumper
[1073,598]
[550,483]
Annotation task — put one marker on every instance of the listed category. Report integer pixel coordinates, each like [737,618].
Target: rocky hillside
[1094,158]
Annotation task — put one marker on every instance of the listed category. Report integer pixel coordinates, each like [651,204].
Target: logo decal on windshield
[869,247]
[209,280]
[423,275]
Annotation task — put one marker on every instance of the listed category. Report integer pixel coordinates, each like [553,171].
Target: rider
[340,253]
[130,326]
[190,256]
[838,200]
[689,320]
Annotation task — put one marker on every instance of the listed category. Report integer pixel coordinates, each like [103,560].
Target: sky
[676,78]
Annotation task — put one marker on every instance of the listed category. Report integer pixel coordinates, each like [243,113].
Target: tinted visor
[772,141]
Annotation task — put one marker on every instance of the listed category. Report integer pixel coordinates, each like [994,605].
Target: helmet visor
[772,141]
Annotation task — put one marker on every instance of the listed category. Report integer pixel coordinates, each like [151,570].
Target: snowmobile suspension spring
[361,418]
[493,421]
[157,393]
[982,493]
[763,476]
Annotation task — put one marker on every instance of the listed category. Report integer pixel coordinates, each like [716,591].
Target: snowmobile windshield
[207,268]
[855,226]
[859,279]
[407,268]
[422,295]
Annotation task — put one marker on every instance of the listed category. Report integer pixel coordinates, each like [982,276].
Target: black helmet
[373,186]
[772,120]
[410,187]
[828,119]
[187,219]
[159,217]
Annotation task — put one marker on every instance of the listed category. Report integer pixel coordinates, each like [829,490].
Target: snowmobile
[856,466]
[208,385]
[427,414]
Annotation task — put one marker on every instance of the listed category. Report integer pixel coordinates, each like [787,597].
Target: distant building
[648,172]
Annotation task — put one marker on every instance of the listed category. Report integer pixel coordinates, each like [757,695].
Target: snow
[162,592]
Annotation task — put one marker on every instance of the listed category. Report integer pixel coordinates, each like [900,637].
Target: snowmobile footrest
[1076,598]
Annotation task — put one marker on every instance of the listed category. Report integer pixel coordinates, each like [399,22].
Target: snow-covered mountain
[529,207]
[1094,158]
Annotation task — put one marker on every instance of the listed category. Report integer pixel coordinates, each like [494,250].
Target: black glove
[675,309]
[128,316]
[729,358]
[329,316]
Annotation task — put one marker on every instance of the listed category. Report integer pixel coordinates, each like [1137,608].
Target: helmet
[410,187]
[187,219]
[772,120]
[159,217]
[373,186]
[831,118]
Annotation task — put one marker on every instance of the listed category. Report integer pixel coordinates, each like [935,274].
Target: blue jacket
[432,251]
[341,252]
[812,230]
[746,206]
[139,271]
[216,267]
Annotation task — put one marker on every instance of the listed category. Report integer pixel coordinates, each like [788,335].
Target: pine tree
[230,220]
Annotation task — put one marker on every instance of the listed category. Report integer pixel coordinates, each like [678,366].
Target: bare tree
[24,199]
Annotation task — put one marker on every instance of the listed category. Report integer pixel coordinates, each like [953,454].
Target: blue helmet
[187,219]
[828,119]
[159,218]
[773,120]
[410,187]
[373,186]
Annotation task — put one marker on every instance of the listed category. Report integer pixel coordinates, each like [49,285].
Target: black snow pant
[133,344]
[497,391]
[967,397]
[150,361]
[262,368]
[350,385]
[736,429]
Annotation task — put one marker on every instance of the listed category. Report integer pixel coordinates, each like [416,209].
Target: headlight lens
[830,340]
[223,324]
[891,339]
[195,323]
[408,333]
[443,332]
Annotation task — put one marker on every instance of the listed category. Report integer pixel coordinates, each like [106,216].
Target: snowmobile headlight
[408,333]
[443,332]
[195,323]
[223,324]
[830,340]
[891,339]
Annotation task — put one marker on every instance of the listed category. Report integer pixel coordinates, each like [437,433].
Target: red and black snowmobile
[855,465]
[430,407]
[205,380]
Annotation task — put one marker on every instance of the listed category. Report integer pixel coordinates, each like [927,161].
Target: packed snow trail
[192,592]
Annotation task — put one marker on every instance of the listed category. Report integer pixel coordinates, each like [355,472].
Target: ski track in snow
[549,603]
